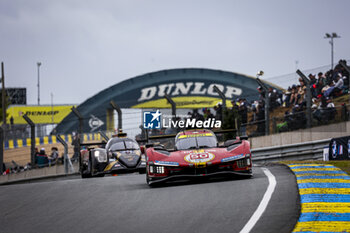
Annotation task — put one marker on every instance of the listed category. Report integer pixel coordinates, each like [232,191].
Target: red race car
[197,154]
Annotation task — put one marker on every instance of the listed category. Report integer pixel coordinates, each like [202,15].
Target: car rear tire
[147,179]
[142,171]
[86,173]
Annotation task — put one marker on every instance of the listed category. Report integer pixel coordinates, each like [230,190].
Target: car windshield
[196,142]
[131,145]
[124,145]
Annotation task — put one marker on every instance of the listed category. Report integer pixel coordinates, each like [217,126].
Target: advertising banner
[339,148]
[39,114]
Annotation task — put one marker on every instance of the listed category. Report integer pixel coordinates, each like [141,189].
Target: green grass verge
[344,165]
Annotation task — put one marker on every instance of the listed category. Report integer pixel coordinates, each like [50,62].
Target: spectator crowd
[43,159]
[323,87]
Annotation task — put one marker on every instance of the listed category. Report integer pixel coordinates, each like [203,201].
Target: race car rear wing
[93,144]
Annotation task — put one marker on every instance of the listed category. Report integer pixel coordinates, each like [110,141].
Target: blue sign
[334,149]
[235,157]
[152,120]
[166,163]
[339,148]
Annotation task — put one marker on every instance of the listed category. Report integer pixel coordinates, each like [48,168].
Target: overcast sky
[86,46]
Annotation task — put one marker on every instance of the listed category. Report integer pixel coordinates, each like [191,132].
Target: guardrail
[299,151]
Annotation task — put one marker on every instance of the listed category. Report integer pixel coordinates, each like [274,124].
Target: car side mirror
[159,146]
[229,142]
[142,148]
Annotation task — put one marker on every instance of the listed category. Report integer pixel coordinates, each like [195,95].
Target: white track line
[263,204]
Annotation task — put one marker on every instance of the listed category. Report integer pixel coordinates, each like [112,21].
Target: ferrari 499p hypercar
[120,155]
[198,154]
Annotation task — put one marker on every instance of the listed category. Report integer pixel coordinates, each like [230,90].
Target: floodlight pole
[3,94]
[332,52]
[38,64]
[267,105]
[119,111]
[1,150]
[308,98]
[331,37]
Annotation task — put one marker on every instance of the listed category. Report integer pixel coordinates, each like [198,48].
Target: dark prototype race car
[198,154]
[120,155]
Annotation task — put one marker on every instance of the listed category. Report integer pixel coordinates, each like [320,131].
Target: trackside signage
[38,114]
[185,95]
[154,120]
[188,88]
[339,148]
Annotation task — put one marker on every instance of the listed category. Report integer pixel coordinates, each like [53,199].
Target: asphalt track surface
[126,204]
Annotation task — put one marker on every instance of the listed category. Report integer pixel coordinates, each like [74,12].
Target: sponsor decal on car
[197,157]
[110,165]
[231,158]
[166,163]
[196,135]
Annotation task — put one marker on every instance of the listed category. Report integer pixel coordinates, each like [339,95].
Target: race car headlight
[160,169]
[248,159]
[157,169]
[100,155]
